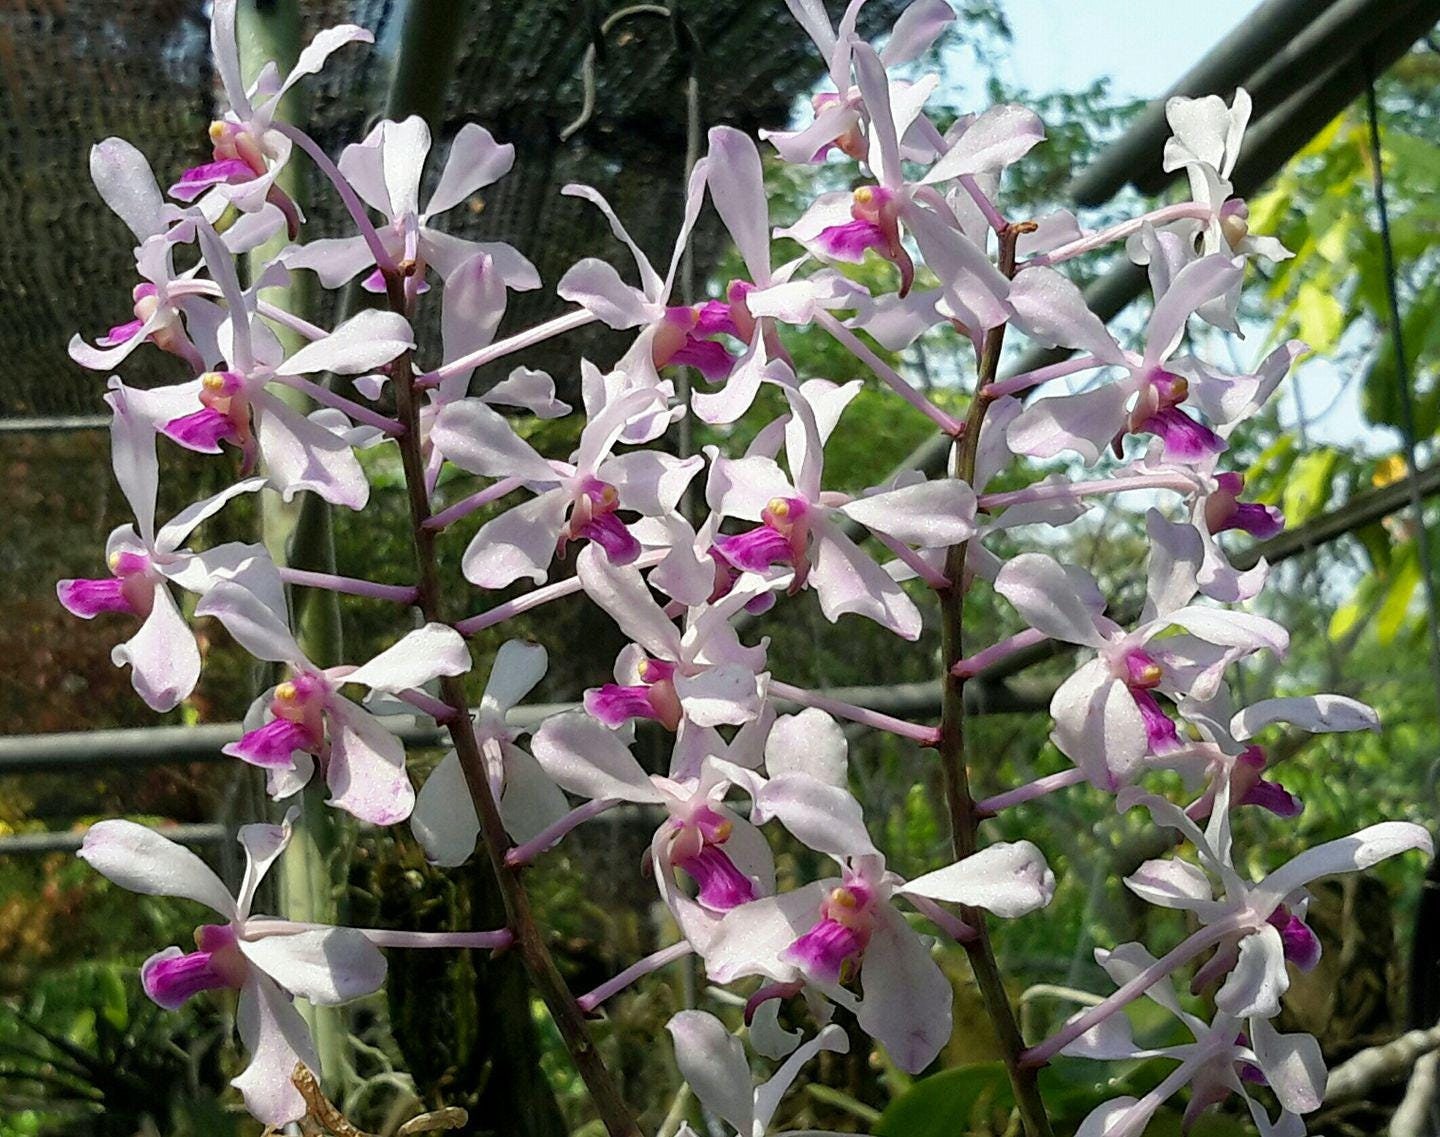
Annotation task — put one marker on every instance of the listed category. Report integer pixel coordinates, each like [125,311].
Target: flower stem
[637,970]
[353,205]
[972,665]
[501,348]
[329,398]
[1181,211]
[399,593]
[1027,379]
[553,834]
[530,944]
[536,597]
[1186,950]
[892,378]
[917,732]
[964,817]
[478,500]
[1029,791]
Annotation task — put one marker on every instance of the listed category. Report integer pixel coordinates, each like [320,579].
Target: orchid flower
[385,170]
[840,113]
[444,821]
[172,322]
[268,968]
[248,152]
[1224,755]
[1051,310]
[723,854]
[1205,143]
[712,1062]
[839,931]
[1107,719]
[576,501]
[668,334]
[840,226]
[703,676]
[752,308]
[1226,1054]
[798,528]
[1262,923]
[309,720]
[163,656]
[235,406]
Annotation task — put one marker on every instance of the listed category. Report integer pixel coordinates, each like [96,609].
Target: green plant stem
[300,535]
[529,940]
[964,820]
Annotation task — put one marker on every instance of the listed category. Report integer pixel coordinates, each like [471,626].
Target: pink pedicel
[654,698]
[834,948]
[1302,946]
[593,518]
[1224,510]
[170,979]
[130,589]
[298,707]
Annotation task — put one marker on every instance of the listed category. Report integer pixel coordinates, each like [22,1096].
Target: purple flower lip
[755,550]
[121,333]
[851,240]
[830,952]
[297,725]
[720,884]
[1182,438]
[197,179]
[130,589]
[202,431]
[1159,727]
[593,518]
[833,950]
[171,977]
[1302,946]
[274,745]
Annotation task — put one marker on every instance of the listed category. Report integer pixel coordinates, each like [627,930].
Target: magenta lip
[828,951]
[721,886]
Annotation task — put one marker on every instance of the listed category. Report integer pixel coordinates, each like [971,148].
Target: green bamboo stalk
[300,534]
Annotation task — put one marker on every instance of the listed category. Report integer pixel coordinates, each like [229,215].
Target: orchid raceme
[701,732]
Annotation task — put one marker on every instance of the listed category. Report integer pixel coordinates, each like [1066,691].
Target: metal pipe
[31,844]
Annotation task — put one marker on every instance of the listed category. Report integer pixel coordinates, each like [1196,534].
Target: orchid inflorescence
[1148,696]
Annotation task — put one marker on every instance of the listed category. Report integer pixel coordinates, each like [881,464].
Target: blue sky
[1143,46]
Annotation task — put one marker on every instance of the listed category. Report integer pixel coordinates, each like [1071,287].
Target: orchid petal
[423,655]
[712,1062]
[163,657]
[585,758]
[906,1003]
[144,861]
[366,773]
[1009,878]
[278,1040]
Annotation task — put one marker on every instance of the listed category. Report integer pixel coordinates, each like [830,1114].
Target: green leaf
[1391,617]
[1307,487]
